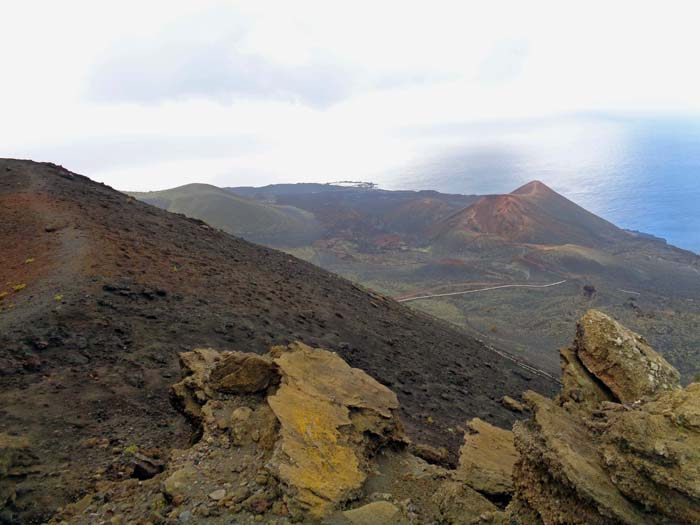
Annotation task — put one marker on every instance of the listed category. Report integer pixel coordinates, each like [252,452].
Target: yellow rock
[322,454]
[622,359]
[240,372]
[377,513]
[323,374]
[319,463]
[487,458]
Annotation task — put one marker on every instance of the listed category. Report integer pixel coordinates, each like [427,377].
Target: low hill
[423,243]
[418,244]
[101,292]
[360,212]
[254,220]
[533,213]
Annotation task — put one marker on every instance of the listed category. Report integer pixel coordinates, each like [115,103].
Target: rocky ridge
[294,435]
[100,293]
[297,435]
[619,445]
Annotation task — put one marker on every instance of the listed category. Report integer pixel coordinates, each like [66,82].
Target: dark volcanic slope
[116,288]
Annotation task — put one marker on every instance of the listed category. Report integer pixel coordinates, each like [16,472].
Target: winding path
[482,290]
[503,354]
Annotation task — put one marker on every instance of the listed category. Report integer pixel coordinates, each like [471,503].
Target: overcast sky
[153,94]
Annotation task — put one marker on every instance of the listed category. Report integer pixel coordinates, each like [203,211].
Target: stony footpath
[297,435]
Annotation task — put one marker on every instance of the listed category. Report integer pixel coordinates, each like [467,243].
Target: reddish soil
[118,288]
[533,214]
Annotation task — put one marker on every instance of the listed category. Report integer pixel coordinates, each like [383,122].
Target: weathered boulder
[513,404]
[653,453]
[327,413]
[313,421]
[590,457]
[178,483]
[295,435]
[578,385]
[241,373]
[560,473]
[298,435]
[621,359]
[375,513]
[487,458]
[193,391]
[16,458]
[459,504]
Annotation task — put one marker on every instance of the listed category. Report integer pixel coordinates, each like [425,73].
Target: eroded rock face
[326,411]
[487,458]
[560,473]
[242,373]
[193,390]
[654,453]
[298,435]
[621,359]
[578,385]
[376,513]
[290,435]
[619,445]
[15,460]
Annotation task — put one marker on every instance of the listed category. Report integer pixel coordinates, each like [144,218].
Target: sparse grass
[440,308]
[131,449]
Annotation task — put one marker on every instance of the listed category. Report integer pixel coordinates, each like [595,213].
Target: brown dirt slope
[103,292]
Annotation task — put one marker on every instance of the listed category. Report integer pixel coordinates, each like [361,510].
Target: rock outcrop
[622,360]
[487,458]
[313,420]
[297,435]
[332,418]
[619,445]
[16,459]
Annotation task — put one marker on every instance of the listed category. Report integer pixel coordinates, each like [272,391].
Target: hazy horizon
[232,93]
[451,96]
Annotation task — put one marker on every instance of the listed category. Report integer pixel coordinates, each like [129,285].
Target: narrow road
[482,290]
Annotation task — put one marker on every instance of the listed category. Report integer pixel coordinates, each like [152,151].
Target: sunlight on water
[641,174]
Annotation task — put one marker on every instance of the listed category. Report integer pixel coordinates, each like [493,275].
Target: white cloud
[322,89]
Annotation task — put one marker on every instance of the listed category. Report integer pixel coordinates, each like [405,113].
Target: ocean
[640,173]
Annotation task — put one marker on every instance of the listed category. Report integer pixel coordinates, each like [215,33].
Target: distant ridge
[235,214]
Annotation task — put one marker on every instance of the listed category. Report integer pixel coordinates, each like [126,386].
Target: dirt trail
[406,299]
